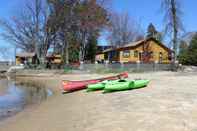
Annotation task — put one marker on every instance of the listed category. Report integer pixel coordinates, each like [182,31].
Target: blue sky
[8,8]
[149,11]
[143,11]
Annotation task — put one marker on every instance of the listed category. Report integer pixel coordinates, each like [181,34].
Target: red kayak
[70,86]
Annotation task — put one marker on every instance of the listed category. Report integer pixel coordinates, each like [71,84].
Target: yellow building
[146,51]
[100,57]
[54,59]
[26,58]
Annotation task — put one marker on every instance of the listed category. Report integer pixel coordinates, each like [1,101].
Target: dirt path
[168,103]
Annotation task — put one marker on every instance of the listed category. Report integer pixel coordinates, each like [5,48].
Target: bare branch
[172,16]
[27,30]
[123,29]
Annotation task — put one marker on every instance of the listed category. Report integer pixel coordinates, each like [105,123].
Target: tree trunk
[175,33]
[174,29]
[82,47]
[65,52]
[80,55]
[45,49]
[37,12]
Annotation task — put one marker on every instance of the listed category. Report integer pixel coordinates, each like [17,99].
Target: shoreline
[15,96]
[27,80]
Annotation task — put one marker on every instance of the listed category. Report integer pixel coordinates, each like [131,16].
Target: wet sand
[168,103]
[3,86]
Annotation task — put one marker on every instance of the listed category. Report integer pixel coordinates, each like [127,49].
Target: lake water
[14,98]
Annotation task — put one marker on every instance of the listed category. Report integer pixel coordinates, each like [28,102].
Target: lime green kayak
[140,83]
[118,86]
[100,85]
[125,85]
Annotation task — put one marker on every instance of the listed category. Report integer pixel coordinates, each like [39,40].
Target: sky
[143,11]
[8,8]
[149,11]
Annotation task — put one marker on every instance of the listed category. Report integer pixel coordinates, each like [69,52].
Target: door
[146,56]
[140,56]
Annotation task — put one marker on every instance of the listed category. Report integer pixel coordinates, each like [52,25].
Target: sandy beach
[168,103]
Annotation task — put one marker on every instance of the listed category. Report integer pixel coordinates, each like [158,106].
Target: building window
[126,53]
[151,54]
[160,57]
[160,54]
[135,53]
[131,52]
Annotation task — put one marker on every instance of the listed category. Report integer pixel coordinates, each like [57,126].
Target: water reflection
[15,98]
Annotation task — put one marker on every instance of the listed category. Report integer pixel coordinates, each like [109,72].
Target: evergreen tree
[73,50]
[153,33]
[183,53]
[91,48]
[192,51]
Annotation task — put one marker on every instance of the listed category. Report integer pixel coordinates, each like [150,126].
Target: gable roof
[25,54]
[136,44]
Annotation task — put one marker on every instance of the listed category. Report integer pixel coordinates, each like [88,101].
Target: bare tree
[174,26]
[123,29]
[27,30]
[93,18]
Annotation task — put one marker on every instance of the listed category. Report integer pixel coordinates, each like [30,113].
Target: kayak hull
[77,85]
[100,85]
[118,86]
[94,87]
[140,83]
[70,86]
[128,85]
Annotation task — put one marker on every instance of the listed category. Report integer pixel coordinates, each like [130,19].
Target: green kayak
[140,83]
[125,85]
[100,85]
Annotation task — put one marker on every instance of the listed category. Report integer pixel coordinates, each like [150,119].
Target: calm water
[14,98]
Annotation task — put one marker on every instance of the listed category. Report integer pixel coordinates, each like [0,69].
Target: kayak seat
[122,81]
